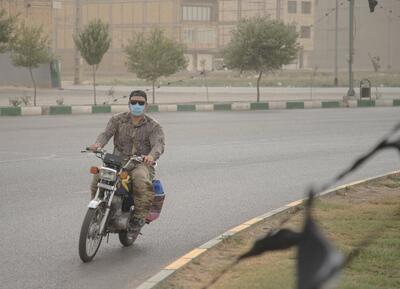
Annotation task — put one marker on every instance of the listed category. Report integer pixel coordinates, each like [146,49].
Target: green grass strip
[259,105]
[10,111]
[101,108]
[222,106]
[330,104]
[186,107]
[294,104]
[396,102]
[365,103]
[60,109]
[348,218]
[152,108]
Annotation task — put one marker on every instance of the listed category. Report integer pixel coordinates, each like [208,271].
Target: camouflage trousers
[141,185]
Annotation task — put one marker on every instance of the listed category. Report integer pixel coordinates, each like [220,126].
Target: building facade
[204,26]
[38,12]
[375,35]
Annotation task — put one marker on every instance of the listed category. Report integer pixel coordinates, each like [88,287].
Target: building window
[196,13]
[292,7]
[200,36]
[306,7]
[188,36]
[206,36]
[305,32]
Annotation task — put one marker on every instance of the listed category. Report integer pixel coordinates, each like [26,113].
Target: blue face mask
[136,109]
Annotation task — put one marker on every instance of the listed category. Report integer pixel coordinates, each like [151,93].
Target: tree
[153,55]
[93,42]
[6,29]
[261,45]
[29,48]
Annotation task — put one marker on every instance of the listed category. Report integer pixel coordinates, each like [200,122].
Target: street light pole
[351,91]
[336,81]
[77,56]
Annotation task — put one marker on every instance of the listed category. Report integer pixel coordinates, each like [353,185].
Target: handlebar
[101,152]
[98,151]
[139,159]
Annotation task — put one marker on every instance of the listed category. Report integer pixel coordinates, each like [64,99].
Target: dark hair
[138,93]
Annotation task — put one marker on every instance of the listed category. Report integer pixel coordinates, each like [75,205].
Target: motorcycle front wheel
[90,237]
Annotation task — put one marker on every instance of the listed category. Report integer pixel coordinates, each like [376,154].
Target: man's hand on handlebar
[148,160]
[94,147]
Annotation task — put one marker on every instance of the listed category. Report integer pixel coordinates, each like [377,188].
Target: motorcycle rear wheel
[126,238]
[90,239]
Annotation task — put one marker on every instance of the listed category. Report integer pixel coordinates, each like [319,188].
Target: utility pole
[351,91]
[77,56]
[336,81]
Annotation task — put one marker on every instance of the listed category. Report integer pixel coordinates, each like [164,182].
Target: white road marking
[81,192]
[49,157]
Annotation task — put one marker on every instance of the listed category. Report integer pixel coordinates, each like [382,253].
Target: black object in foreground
[277,240]
[317,262]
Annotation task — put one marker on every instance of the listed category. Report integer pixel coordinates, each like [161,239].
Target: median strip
[190,274]
[365,103]
[186,107]
[10,111]
[330,104]
[259,105]
[61,109]
[200,107]
[295,105]
[101,109]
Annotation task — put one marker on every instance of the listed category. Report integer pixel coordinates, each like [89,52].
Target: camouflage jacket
[147,137]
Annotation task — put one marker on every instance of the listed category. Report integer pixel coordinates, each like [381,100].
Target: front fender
[94,204]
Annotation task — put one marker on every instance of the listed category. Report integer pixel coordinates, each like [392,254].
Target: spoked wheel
[90,238]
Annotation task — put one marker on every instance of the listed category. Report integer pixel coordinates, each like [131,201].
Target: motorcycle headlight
[108,174]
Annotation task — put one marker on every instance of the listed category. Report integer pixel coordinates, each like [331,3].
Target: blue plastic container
[157,187]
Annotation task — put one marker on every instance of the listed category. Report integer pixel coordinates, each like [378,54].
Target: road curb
[196,252]
[199,107]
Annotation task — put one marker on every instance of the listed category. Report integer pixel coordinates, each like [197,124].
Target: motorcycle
[112,206]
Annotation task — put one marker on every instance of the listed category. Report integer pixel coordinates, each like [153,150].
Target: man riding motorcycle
[135,133]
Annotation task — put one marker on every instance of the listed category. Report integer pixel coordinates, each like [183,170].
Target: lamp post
[351,91]
[336,81]
[77,56]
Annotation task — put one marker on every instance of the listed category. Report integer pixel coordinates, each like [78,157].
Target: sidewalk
[83,94]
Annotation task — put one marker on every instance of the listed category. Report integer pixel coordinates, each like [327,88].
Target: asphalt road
[83,94]
[219,170]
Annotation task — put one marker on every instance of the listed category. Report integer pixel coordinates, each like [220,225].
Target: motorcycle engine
[119,219]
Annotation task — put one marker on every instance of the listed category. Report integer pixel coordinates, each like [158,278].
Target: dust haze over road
[219,169]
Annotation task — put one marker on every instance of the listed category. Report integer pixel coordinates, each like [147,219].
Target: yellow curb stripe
[295,203]
[239,228]
[185,259]
[194,253]
[178,264]
[253,221]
